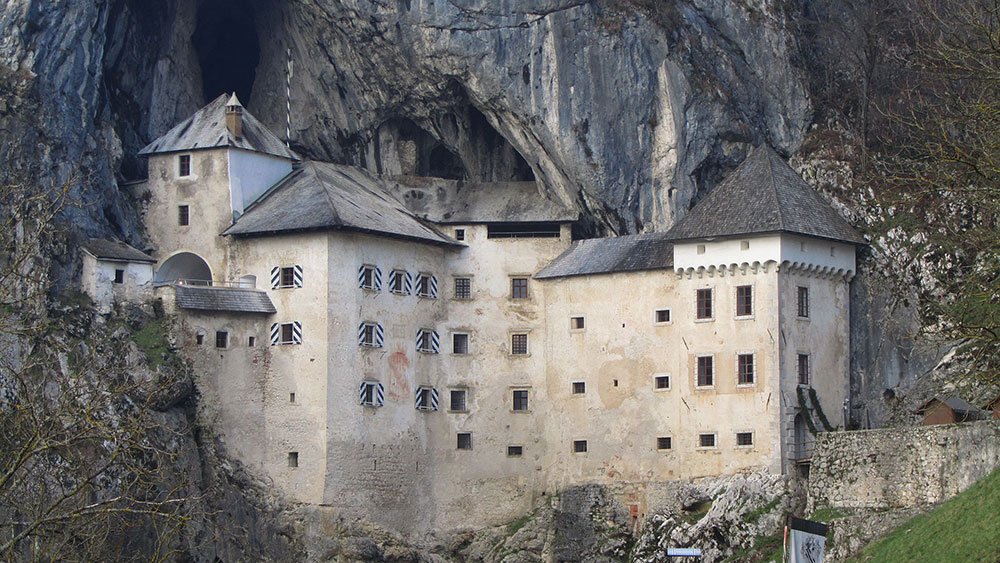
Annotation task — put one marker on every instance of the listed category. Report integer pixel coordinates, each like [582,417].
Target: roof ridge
[326,192]
[769,154]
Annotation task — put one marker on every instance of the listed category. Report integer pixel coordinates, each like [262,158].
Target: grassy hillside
[965,528]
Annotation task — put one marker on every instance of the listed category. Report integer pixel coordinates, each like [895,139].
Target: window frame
[656,316]
[287,277]
[519,288]
[745,433]
[455,335]
[397,276]
[656,381]
[456,294]
[573,322]
[425,286]
[427,336]
[183,215]
[803,377]
[464,393]
[573,388]
[750,312]
[715,441]
[368,281]
[514,347]
[460,233]
[520,397]
[519,450]
[424,399]
[699,306]
[580,446]
[698,371]
[119,278]
[222,336]
[802,302]
[739,369]
[669,443]
[467,445]
[371,390]
[369,335]
[185,165]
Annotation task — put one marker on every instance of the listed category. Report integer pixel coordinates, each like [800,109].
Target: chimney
[234,116]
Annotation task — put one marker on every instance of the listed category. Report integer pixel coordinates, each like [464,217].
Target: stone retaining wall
[900,467]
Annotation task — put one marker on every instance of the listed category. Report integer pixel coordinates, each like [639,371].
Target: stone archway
[184,267]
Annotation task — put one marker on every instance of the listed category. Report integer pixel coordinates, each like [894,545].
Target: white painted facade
[110,281]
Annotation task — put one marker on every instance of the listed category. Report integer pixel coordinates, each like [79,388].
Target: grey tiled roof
[225,299]
[115,250]
[764,195]
[461,202]
[207,129]
[631,253]
[321,195]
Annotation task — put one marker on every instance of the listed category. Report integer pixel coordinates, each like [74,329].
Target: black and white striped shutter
[378,278]
[416,398]
[379,335]
[434,399]
[361,334]
[297,275]
[409,281]
[434,287]
[361,276]
[379,394]
[275,334]
[435,342]
[361,392]
[275,277]
[296,332]
[420,334]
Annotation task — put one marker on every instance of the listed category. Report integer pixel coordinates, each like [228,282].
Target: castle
[434,354]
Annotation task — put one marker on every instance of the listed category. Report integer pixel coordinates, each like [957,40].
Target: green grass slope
[965,528]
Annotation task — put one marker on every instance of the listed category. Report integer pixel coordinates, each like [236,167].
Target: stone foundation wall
[901,467]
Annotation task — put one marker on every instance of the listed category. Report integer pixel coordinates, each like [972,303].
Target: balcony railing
[239,284]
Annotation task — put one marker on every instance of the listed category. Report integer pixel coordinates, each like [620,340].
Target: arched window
[185,268]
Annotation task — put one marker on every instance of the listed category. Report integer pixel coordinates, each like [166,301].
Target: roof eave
[340,228]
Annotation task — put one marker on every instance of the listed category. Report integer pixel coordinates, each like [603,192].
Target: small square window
[745,369]
[744,438]
[577,323]
[463,288]
[662,316]
[183,215]
[579,446]
[119,276]
[291,398]
[706,371]
[661,382]
[803,302]
[744,245]
[803,365]
[464,441]
[459,343]
[703,305]
[519,288]
[293,459]
[664,443]
[519,344]
[579,387]
[744,301]
[184,165]
[458,400]
[706,440]
[251,341]
[833,251]
[287,333]
[520,398]
[459,234]
[701,249]
[199,338]
[221,339]
[515,451]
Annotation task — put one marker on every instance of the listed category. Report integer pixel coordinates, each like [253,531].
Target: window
[293,459]
[515,451]
[744,245]
[803,302]
[520,397]
[700,249]
[199,337]
[464,441]
[184,165]
[744,301]
[703,307]
[286,333]
[803,369]
[519,288]
[579,446]
[291,398]
[706,371]
[371,334]
[183,215]
[371,394]
[459,343]
[458,400]
[579,387]
[662,316]
[287,276]
[426,399]
[661,382]
[745,369]
[221,339]
[664,443]
[399,282]
[706,440]
[251,341]
[463,288]
[519,344]
[744,438]
[370,278]
[459,234]
[428,341]
[119,276]
[427,286]
[522,230]
[577,323]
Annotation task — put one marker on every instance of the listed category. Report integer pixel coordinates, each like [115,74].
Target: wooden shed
[948,410]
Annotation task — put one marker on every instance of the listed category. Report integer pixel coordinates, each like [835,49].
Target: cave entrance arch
[228,48]
[184,267]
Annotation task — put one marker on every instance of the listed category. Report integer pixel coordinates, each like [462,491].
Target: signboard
[806,541]
[683,552]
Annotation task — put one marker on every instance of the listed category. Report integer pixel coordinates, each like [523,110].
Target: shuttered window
[370,277]
[426,399]
[286,333]
[371,334]
[428,341]
[427,286]
[286,276]
[400,283]
[371,394]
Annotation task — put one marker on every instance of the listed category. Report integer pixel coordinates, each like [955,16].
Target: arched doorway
[184,267]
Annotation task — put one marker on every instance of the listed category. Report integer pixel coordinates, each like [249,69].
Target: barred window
[803,302]
[463,288]
[519,344]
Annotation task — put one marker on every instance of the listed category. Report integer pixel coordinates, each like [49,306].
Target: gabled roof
[462,202]
[117,251]
[764,195]
[207,129]
[631,253]
[321,195]
[224,299]
[954,403]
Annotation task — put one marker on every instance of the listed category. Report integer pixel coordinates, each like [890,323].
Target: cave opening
[443,163]
[225,39]
[515,167]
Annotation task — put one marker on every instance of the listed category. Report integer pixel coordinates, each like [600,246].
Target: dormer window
[184,165]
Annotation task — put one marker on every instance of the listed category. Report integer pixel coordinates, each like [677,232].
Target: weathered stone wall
[901,467]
